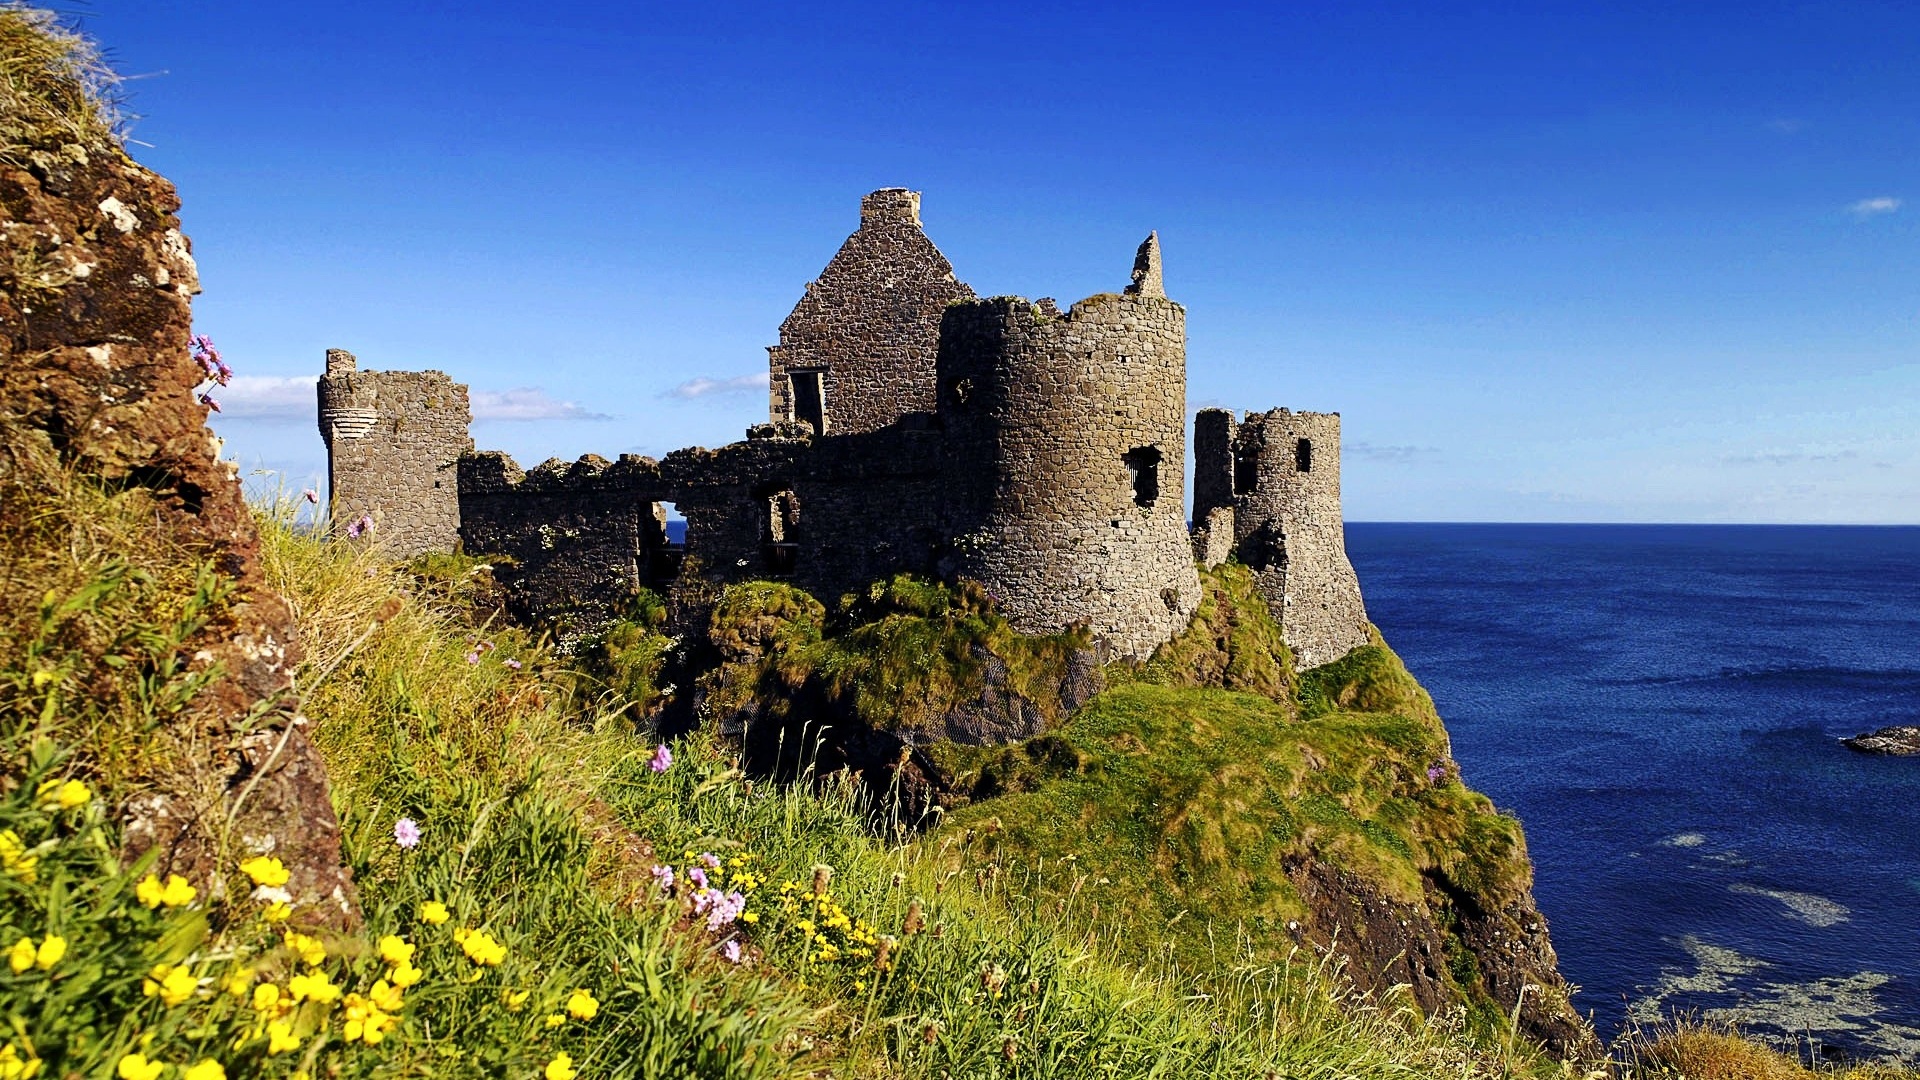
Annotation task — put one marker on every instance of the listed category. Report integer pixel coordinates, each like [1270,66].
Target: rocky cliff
[110,481]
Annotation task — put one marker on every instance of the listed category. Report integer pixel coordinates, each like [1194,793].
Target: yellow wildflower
[175,892]
[277,912]
[51,950]
[270,999]
[266,870]
[204,1069]
[280,1037]
[405,975]
[137,1067]
[561,1068]
[554,1020]
[236,981]
[21,955]
[749,917]
[387,996]
[395,950]
[366,1022]
[515,999]
[582,1005]
[313,986]
[14,856]
[172,985]
[308,949]
[433,913]
[14,1067]
[64,795]
[480,947]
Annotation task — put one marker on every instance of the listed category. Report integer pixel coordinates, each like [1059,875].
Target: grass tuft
[55,89]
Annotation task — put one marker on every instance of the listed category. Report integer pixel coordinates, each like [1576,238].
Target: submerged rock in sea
[1901,739]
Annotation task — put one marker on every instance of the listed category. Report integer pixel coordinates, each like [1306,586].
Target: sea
[1662,708]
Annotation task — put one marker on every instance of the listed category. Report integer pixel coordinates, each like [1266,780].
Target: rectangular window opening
[1246,471]
[1303,455]
[1143,472]
[809,399]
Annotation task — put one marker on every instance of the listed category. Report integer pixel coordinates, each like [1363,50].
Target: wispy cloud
[1790,457]
[268,397]
[1395,454]
[292,398]
[527,403]
[1874,207]
[702,386]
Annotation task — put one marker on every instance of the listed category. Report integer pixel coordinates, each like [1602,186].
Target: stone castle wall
[1280,473]
[868,329]
[829,515]
[1068,449]
[393,440]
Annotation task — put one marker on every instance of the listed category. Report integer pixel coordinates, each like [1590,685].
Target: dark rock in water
[1900,739]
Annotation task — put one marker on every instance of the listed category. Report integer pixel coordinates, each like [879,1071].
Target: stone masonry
[913,429]
[1279,474]
[1072,506]
[856,354]
[393,439]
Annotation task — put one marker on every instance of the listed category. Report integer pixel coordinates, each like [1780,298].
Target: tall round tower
[1068,460]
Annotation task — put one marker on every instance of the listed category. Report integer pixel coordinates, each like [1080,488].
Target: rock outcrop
[97,387]
[1901,740]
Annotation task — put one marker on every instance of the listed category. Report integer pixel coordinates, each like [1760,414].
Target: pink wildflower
[511,663]
[731,950]
[406,832]
[362,524]
[663,875]
[699,879]
[473,657]
[709,860]
[662,759]
[311,496]
[207,400]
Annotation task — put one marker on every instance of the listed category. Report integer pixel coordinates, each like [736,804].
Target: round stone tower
[1068,460]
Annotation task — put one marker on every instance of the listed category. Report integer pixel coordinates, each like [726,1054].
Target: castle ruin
[912,428]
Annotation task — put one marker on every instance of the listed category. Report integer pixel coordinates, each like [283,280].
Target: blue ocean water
[1661,706]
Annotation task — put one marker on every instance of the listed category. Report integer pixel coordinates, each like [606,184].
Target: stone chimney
[890,204]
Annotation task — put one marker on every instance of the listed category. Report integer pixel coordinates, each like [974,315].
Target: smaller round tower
[1068,459]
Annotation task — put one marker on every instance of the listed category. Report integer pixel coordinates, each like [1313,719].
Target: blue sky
[1551,262]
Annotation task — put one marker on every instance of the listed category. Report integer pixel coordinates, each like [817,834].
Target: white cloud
[527,403]
[292,397]
[703,386]
[268,397]
[1882,204]
[1399,454]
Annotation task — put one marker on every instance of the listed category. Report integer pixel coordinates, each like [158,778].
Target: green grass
[54,88]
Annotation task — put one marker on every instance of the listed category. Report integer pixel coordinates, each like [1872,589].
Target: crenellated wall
[393,438]
[1279,473]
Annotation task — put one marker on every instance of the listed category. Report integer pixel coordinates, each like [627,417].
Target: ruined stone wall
[830,515]
[1284,472]
[393,439]
[582,536]
[1067,457]
[869,327]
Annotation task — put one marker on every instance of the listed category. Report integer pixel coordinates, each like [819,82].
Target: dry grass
[54,87]
[1693,1050]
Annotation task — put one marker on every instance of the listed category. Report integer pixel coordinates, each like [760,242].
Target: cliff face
[98,401]
[1210,800]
